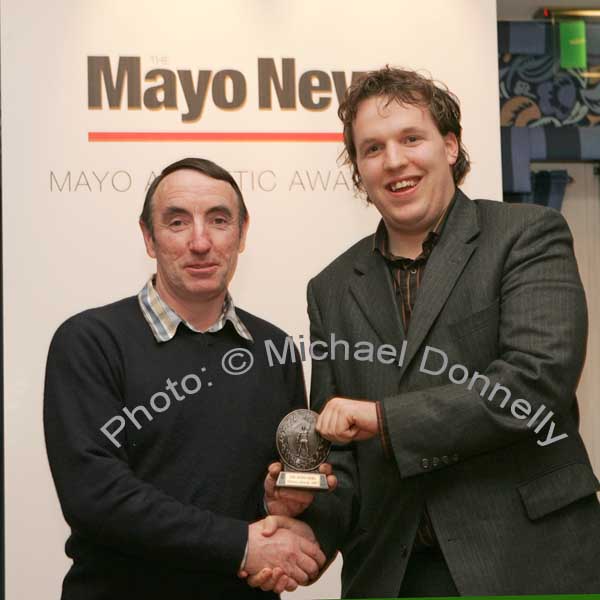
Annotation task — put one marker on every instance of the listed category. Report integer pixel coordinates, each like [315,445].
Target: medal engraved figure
[303,442]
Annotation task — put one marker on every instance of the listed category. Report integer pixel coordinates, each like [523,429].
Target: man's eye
[221,221]
[372,148]
[176,223]
[412,139]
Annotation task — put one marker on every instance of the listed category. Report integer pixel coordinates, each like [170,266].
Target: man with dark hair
[203,166]
[461,469]
[160,415]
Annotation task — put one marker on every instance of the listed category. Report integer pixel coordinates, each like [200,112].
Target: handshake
[282,552]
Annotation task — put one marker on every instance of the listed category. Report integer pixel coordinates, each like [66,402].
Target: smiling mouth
[202,268]
[403,185]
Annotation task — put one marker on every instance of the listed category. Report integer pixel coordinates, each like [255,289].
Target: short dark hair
[202,165]
[409,88]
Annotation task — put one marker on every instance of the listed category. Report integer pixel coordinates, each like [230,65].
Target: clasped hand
[296,558]
[282,554]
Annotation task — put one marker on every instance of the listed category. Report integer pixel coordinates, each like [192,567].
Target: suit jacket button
[445,460]
[436,461]
[425,463]
[404,552]
[455,458]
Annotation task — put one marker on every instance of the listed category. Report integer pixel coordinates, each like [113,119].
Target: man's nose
[394,157]
[200,240]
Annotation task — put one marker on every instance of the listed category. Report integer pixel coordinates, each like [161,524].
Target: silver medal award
[302,450]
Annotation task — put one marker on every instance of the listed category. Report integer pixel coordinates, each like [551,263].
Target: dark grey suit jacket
[501,295]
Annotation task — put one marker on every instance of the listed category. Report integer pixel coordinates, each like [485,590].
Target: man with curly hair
[460,466]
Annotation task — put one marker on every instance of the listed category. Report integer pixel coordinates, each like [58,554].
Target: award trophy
[302,450]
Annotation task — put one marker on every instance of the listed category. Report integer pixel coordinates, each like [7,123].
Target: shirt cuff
[383,433]
[243,563]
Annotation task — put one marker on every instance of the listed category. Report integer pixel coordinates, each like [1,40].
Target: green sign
[573,52]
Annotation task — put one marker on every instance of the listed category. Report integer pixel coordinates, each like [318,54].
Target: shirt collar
[163,320]
[380,240]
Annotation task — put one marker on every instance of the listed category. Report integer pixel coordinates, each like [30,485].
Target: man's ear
[452,148]
[243,233]
[148,240]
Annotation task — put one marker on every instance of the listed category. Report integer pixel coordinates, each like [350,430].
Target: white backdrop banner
[97,97]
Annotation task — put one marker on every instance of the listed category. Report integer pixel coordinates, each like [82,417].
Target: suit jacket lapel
[373,290]
[444,267]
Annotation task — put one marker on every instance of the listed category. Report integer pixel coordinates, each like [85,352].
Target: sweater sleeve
[295,389]
[101,498]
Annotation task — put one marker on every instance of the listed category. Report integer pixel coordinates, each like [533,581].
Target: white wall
[66,251]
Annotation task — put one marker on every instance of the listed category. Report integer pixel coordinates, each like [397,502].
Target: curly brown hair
[408,88]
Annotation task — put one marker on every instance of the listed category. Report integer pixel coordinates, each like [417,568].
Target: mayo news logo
[126,85]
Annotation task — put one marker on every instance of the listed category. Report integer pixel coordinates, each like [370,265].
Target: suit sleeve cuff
[383,431]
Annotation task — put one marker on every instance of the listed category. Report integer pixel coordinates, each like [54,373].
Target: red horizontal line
[212,136]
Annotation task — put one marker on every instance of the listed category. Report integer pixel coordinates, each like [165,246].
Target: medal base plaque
[302,481]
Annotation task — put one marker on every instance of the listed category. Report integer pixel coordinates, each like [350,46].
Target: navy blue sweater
[159,502]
